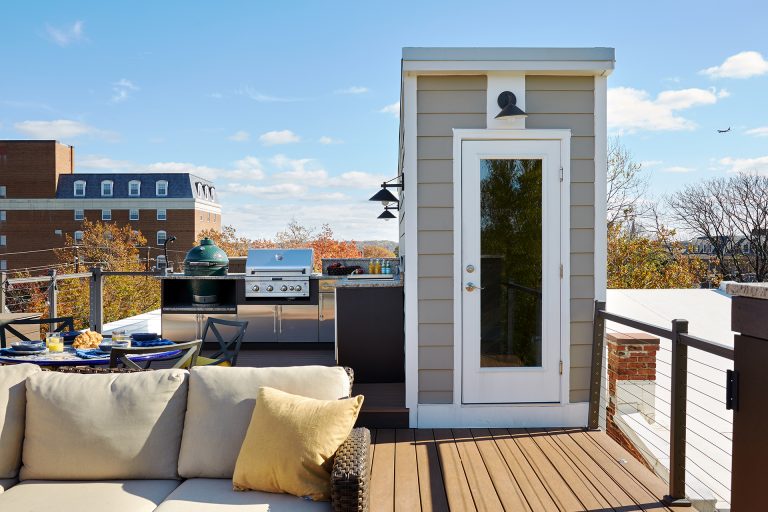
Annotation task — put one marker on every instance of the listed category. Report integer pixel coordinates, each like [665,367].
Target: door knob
[470,287]
[470,268]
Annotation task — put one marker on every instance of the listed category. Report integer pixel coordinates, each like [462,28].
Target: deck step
[383,417]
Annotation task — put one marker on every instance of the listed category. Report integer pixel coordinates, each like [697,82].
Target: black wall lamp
[508,103]
[385,197]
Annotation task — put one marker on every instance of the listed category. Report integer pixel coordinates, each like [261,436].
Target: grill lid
[279,260]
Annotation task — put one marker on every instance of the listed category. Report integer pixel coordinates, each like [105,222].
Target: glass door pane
[511,262]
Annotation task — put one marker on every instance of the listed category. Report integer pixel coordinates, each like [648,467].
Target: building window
[161,237]
[161,214]
[134,188]
[209,216]
[213,194]
[161,188]
[133,214]
[3,265]
[78,237]
[2,190]
[3,240]
[58,232]
[79,214]
[106,214]
[106,188]
[2,215]
[199,189]
[79,189]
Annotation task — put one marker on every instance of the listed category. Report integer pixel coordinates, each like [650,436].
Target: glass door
[511,271]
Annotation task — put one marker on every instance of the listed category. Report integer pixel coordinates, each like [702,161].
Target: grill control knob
[298,287]
[269,288]
[255,288]
[283,288]
[291,288]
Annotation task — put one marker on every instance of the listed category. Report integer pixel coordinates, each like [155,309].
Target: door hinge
[732,390]
[561,271]
[561,367]
[561,173]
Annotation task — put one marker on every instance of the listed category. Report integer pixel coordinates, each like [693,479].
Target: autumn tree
[626,184]
[232,243]
[651,262]
[377,251]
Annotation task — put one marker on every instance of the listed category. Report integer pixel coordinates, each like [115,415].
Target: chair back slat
[58,325]
[188,358]
[228,348]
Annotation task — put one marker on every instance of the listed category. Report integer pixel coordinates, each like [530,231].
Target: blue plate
[28,346]
[144,336]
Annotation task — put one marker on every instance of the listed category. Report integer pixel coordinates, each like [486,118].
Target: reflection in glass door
[510,252]
[510,271]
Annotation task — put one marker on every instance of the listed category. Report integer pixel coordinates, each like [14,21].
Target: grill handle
[202,263]
[277,268]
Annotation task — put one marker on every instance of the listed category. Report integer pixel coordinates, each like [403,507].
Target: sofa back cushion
[220,406]
[12,406]
[105,426]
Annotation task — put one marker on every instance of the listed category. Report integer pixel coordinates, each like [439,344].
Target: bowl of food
[87,339]
[28,346]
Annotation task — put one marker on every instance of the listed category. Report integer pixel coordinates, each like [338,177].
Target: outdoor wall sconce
[508,103]
[386,214]
[385,197]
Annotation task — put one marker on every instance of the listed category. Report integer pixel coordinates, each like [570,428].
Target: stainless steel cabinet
[187,327]
[327,323]
[262,322]
[297,323]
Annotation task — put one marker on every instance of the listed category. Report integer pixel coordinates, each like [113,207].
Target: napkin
[91,353]
[151,343]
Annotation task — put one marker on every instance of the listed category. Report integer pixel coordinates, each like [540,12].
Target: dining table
[69,357]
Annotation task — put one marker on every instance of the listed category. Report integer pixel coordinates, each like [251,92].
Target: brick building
[42,199]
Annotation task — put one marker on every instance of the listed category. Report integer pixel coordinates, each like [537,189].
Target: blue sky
[287,105]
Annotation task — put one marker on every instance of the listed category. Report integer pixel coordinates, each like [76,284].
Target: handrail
[681,340]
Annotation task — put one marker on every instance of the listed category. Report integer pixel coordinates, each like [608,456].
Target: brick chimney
[631,382]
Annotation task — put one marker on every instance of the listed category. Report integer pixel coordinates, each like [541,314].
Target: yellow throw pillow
[290,442]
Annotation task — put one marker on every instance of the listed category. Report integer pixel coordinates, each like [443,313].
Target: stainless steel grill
[278,272]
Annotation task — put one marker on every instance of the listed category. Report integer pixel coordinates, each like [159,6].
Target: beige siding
[568,102]
[443,103]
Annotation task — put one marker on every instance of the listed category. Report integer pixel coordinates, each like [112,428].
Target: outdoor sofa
[162,440]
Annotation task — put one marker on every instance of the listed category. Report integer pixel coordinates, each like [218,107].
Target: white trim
[114,204]
[111,188]
[516,54]
[601,193]
[157,236]
[411,284]
[106,214]
[505,416]
[137,182]
[82,214]
[532,67]
[157,187]
[130,214]
[74,188]
[165,214]
[564,136]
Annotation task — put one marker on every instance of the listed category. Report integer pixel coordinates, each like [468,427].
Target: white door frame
[564,137]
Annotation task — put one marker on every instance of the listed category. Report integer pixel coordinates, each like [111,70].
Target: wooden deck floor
[505,469]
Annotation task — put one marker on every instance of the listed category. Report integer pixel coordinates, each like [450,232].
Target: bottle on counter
[371,266]
[378,267]
[386,270]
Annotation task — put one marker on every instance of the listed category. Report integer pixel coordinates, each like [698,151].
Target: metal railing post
[53,296]
[3,285]
[598,338]
[96,319]
[677,427]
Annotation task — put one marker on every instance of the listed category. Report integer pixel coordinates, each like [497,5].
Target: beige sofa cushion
[12,406]
[220,406]
[216,495]
[104,427]
[112,496]
[7,483]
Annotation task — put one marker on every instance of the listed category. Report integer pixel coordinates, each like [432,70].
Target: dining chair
[187,357]
[229,346]
[58,324]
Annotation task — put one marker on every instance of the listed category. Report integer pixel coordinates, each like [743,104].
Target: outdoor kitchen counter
[752,290]
[182,276]
[346,282]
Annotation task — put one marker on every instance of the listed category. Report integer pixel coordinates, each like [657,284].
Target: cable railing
[666,395]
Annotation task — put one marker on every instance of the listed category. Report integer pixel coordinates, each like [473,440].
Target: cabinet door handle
[280,319]
[274,320]
[322,296]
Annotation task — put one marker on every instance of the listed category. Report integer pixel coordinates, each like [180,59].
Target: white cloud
[759,164]
[102,162]
[651,163]
[393,109]
[355,179]
[255,95]
[203,171]
[632,110]
[60,129]
[276,191]
[302,171]
[760,131]
[247,168]
[354,89]
[678,169]
[329,140]
[741,65]
[63,36]
[240,136]
[276,137]
[121,89]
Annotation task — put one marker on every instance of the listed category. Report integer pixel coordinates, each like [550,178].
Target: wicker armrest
[351,473]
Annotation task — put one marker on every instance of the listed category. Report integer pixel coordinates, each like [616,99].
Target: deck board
[508,469]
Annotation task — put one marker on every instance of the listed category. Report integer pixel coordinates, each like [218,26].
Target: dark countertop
[339,281]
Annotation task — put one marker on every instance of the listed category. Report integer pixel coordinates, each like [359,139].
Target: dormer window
[213,193]
[134,188]
[106,188]
[161,188]
[199,189]
[79,189]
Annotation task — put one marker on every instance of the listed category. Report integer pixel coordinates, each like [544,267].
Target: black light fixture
[167,241]
[384,196]
[508,103]
[386,214]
